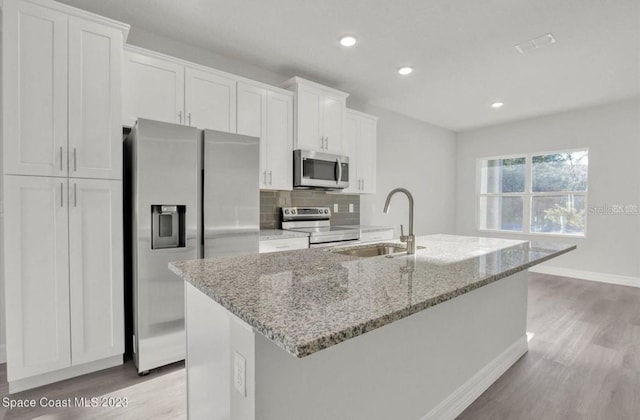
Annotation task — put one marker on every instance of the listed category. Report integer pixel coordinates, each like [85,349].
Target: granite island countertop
[307,300]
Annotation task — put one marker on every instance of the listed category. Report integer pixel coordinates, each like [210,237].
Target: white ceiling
[462,50]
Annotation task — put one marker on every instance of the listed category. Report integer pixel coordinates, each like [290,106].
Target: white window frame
[528,194]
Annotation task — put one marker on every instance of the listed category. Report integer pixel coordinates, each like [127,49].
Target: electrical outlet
[350,207]
[335,207]
[240,374]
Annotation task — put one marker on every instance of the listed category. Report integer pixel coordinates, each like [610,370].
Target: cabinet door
[36,275]
[153,89]
[367,155]
[96,269]
[279,141]
[309,133]
[35,90]
[352,126]
[333,112]
[210,100]
[252,121]
[95,86]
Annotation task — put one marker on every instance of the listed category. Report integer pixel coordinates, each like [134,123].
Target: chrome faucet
[409,239]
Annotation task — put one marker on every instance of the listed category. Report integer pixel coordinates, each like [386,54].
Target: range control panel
[305,213]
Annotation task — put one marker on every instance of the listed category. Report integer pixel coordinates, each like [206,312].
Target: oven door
[320,170]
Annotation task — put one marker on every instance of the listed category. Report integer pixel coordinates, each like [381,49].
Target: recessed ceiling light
[497,105]
[405,70]
[348,41]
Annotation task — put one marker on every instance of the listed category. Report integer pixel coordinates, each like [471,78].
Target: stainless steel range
[316,221]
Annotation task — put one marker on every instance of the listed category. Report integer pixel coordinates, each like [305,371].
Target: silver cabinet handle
[270,177]
[75,195]
[75,160]
[322,142]
[189,118]
[265,178]
[180,116]
[326,139]
[60,158]
[61,194]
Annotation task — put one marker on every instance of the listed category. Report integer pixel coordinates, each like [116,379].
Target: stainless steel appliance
[316,221]
[191,193]
[320,170]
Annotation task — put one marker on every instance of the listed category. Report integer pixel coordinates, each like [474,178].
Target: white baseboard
[461,398]
[3,353]
[587,275]
[20,385]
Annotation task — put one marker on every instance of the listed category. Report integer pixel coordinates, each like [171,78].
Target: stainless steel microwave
[320,170]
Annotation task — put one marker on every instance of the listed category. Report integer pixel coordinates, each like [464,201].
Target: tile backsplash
[272,201]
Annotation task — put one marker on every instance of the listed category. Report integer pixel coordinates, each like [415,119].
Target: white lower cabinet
[63,273]
[288,244]
[36,275]
[95,269]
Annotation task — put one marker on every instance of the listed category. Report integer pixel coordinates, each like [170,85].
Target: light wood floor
[583,363]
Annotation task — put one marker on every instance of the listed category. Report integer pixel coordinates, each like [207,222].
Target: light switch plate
[240,374]
[335,207]
[350,207]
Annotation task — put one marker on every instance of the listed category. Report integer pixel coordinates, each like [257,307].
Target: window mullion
[526,205]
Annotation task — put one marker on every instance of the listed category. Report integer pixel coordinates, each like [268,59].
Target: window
[542,193]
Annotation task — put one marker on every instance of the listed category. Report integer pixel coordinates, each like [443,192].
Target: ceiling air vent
[535,43]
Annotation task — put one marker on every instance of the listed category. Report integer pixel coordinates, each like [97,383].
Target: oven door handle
[339,171]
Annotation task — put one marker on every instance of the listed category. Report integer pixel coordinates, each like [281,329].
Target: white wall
[612,134]
[422,158]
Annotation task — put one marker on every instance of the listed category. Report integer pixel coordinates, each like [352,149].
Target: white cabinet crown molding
[296,80]
[361,114]
[73,11]
[140,50]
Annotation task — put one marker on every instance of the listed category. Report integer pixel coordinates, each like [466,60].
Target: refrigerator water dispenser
[167,226]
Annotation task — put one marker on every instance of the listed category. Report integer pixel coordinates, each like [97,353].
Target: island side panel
[208,357]
[429,365]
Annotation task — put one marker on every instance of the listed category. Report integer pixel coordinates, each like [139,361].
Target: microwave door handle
[339,171]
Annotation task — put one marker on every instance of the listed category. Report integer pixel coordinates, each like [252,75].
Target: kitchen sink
[373,250]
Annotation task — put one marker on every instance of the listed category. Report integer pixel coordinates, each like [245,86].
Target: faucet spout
[410,239]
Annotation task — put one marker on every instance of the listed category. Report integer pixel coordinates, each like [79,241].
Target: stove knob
[286,211]
[326,211]
[293,211]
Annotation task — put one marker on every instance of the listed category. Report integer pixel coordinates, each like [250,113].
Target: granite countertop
[307,300]
[268,234]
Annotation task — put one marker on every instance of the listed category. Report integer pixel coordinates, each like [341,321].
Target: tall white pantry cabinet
[62,191]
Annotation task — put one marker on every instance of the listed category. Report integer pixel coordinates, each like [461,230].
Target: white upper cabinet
[360,146]
[268,114]
[162,88]
[319,113]
[36,275]
[95,100]
[62,84]
[95,269]
[153,88]
[34,56]
[210,100]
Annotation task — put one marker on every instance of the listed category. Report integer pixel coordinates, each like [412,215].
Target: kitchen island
[316,334]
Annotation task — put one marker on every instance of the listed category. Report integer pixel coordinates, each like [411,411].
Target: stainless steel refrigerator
[191,193]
